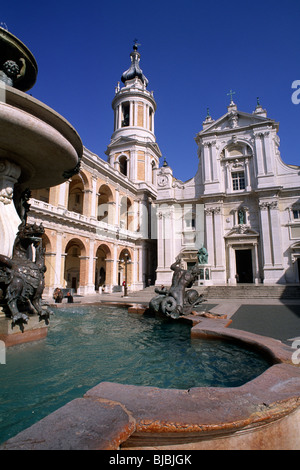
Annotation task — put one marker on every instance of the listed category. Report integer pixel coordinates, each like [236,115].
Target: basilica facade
[125,218]
[243,205]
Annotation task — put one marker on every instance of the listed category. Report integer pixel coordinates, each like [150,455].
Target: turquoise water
[89,345]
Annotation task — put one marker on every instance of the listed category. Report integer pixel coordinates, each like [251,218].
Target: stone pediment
[242,230]
[234,120]
[125,140]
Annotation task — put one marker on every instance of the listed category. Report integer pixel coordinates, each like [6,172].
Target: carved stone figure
[202,255]
[176,301]
[11,72]
[21,279]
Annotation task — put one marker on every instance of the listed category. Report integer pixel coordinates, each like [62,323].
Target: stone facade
[242,205]
[97,232]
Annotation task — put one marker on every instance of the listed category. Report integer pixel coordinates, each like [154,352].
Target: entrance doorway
[244,269]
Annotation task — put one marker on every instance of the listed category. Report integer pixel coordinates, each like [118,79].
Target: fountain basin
[261,414]
[37,139]
[13,49]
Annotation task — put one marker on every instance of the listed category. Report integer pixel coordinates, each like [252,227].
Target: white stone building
[243,205]
[97,223]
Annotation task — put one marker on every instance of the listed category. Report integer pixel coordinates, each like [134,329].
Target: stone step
[252,291]
[245,291]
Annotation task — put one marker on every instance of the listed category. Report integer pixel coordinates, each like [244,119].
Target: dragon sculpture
[21,279]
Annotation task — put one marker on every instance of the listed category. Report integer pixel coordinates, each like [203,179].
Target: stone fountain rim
[201,411]
[159,418]
[43,130]
[45,113]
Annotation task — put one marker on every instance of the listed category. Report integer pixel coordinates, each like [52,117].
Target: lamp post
[126,261]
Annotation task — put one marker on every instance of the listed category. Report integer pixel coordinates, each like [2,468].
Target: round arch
[241,144]
[75,255]
[105,204]
[126,213]
[125,267]
[103,268]
[123,164]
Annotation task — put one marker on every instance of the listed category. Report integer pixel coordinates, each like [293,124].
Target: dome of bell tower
[134,69]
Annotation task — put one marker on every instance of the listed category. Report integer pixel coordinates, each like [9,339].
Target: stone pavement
[272,317]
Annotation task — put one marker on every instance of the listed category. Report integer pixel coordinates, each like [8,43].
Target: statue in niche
[176,301]
[202,255]
[11,72]
[241,217]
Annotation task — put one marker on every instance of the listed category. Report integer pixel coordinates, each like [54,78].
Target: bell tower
[133,149]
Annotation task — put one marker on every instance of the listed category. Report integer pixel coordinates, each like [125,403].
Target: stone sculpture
[11,72]
[176,301]
[202,255]
[21,278]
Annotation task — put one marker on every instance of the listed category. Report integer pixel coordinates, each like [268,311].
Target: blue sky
[192,52]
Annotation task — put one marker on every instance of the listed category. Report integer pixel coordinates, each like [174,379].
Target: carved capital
[263,206]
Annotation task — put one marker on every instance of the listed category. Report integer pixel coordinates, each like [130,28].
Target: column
[227,178]
[209,229]
[255,264]
[83,274]
[134,269]
[218,238]
[259,155]
[265,234]
[115,266]
[152,117]
[109,266]
[119,116]
[275,234]
[117,211]
[206,163]
[59,260]
[93,209]
[160,239]
[63,194]
[50,259]
[247,174]
[140,266]
[131,116]
[268,153]
[213,161]
[91,268]
[232,265]
[135,113]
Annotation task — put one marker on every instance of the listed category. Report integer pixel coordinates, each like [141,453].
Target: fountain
[262,413]
[177,301]
[32,138]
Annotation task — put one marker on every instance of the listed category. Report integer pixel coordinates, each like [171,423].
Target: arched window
[125,114]
[153,172]
[75,203]
[123,165]
[105,205]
